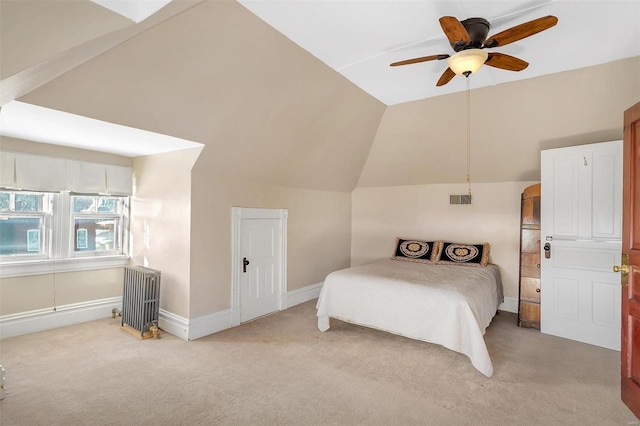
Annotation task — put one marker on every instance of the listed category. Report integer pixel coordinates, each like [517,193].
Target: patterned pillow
[466,254]
[417,250]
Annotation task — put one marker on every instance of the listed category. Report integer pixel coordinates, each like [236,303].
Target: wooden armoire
[529,293]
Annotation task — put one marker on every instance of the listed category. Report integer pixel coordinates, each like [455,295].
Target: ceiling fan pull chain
[468,135]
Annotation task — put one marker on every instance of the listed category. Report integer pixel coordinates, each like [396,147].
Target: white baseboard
[46,319]
[218,321]
[510,304]
[301,295]
[209,324]
[173,324]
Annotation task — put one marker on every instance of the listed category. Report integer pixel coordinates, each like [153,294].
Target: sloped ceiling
[215,74]
[41,40]
[425,141]
[35,31]
[211,72]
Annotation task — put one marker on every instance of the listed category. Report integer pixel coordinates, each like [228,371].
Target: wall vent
[460,199]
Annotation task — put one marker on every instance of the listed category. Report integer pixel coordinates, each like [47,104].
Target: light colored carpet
[280,370]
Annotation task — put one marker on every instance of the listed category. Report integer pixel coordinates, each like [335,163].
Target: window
[97,224]
[24,221]
[41,232]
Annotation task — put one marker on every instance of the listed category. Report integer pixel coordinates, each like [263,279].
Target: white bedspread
[450,305]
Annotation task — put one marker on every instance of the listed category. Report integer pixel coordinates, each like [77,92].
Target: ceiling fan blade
[521,31]
[505,62]
[417,60]
[446,77]
[454,30]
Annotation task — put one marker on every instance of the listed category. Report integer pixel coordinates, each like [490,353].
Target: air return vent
[460,199]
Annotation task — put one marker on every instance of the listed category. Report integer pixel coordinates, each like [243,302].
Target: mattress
[450,305]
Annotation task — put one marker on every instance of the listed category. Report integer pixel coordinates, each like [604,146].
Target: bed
[447,304]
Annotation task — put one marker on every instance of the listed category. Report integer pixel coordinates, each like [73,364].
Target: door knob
[547,251]
[624,269]
[245,262]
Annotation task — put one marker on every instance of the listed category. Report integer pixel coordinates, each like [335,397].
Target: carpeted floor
[280,370]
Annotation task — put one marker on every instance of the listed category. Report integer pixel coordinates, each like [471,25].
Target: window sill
[40,267]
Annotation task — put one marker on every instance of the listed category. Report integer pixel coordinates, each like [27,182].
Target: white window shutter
[119,180]
[39,173]
[85,178]
[7,170]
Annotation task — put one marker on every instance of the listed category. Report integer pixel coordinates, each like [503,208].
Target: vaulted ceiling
[213,73]
[359,39]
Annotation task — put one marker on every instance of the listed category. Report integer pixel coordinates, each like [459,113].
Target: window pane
[84,204]
[96,234]
[5,200]
[28,202]
[107,205]
[21,235]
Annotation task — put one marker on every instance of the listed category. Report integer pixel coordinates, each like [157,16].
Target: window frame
[44,214]
[59,254]
[121,226]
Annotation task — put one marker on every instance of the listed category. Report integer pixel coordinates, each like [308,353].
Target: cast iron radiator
[140,298]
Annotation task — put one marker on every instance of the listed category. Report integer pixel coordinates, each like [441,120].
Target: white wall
[380,215]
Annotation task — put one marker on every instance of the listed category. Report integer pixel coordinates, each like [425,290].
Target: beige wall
[380,215]
[419,156]
[161,224]
[28,293]
[280,129]
[319,234]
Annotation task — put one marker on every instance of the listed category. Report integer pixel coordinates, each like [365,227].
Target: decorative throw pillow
[417,250]
[466,254]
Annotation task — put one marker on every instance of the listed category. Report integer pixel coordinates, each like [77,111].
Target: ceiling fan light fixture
[468,61]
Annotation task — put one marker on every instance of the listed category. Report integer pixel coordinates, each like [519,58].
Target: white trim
[254,213]
[510,304]
[284,225]
[173,324]
[301,295]
[39,267]
[235,316]
[209,324]
[237,215]
[236,218]
[218,321]
[45,319]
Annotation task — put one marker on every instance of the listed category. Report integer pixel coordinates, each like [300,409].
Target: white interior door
[581,217]
[259,267]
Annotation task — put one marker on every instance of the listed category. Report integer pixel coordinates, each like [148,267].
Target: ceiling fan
[468,38]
